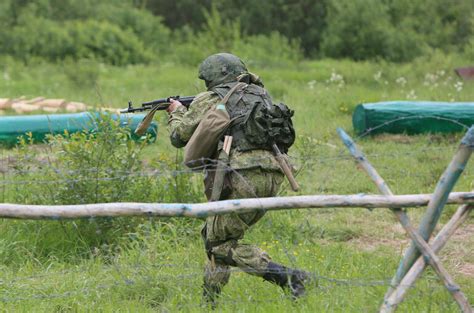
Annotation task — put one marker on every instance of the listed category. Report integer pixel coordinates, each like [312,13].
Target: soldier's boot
[210,294]
[216,276]
[289,279]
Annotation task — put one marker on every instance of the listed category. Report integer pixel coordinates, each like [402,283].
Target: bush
[221,35]
[106,42]
[273,50]
[361,29]
[148,28]
[99,167]
[112,32]
[356,29]
[89,39]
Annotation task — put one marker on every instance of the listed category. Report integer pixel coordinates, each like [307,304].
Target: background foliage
[104,53]
[128,32]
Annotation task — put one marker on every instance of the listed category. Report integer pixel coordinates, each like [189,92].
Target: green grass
[157,266]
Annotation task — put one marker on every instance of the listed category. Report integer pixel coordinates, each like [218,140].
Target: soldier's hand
[174,104]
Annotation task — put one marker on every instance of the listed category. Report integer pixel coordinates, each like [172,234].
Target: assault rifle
[159,104]
[152,107]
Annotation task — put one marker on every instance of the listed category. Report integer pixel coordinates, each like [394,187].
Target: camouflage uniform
[255,173]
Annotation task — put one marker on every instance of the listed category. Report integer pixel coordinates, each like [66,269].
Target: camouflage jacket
[183,122]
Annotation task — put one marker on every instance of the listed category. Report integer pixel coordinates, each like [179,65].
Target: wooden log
[200,210]
[404,220]
[437,203]
[22,98]
[50,109]
[75,106]
[21,107]
[35,100]
[55,103]
[398,294]
[5,104]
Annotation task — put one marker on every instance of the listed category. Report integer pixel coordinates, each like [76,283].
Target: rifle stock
[285,168]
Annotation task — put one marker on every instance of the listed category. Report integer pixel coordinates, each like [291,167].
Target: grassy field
[156,264]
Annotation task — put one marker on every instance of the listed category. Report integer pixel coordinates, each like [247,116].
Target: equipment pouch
[266,125]
[202,145]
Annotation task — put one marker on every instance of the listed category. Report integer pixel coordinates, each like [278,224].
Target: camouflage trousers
[222,233]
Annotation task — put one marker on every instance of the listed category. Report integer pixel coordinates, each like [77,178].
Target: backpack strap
[224,154]
[237,87]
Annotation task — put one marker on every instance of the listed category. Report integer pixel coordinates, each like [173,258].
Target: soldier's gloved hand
[174,104]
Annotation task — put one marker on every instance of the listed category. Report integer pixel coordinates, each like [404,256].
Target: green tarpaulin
[40,125]
[413,117]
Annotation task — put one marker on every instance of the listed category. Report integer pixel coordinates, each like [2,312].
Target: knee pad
[222,252]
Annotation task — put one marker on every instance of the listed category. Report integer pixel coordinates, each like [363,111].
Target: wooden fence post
[398,294]
[437,203]
[404,220]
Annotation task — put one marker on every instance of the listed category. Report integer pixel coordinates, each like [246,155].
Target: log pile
[40,104]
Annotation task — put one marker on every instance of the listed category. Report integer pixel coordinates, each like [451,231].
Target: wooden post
[200,210]
[404,220]
[398,294]
[437,203]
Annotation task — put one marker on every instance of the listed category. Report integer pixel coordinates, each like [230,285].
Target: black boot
[210,295]
[287,278]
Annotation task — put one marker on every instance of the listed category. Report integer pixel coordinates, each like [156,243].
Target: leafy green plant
[95,167]
[221,35]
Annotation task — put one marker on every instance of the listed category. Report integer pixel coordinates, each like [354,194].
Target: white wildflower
[430,79]
[458,86]
[378,76]
[311,84]
[402,81]
[411,94]
[336,79]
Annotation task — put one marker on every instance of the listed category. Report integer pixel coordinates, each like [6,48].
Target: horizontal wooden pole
[200,210]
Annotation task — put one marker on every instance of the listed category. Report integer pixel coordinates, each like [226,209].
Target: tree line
[137,31]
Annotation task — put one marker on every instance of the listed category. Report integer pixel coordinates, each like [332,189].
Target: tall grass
[150,265]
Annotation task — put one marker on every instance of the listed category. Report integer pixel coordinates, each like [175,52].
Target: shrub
[221,35]
[356,29]
[273,50]
[98,167]
[394,30]
[89,39]
[106,42]
[148,28]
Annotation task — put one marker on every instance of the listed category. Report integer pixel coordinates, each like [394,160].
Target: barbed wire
[403,118]
[164,168]
[210,164]
[42,286]
[317,282]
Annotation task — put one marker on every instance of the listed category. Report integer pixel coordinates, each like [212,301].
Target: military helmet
[221,68]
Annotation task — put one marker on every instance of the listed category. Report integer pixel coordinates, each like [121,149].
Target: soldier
[255,173]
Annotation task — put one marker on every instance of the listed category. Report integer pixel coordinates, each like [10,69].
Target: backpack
[264,126]
[257,122]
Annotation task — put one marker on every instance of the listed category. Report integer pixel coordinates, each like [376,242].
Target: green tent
[11,127]
[412,117]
